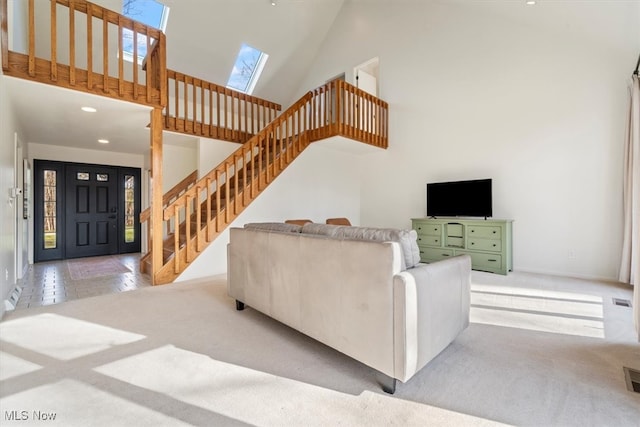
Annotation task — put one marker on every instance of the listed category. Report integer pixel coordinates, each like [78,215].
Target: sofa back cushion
[406,238]
[274,226]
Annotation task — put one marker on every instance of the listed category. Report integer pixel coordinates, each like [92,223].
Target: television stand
[487,241]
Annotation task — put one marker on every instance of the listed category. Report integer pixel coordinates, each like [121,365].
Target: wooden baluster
[176,100]
[72,44]
[187,227]
[210,111]
[234,133]
[4,37]
[261,149]
[246,122]
[198,208]
[90,46]
[202,105]
[176,237]
[186,102]
[121,58]
[209,228]
[289,136]
[194,113]
[151,66]
[54,43]
[227,194]
[236,184]
[135,61]
[105,53]
[226,123]
[217,113]
[218,207]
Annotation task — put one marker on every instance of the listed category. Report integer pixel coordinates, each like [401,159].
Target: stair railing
[202,108]
[60,49]
[221,195]
[169,197]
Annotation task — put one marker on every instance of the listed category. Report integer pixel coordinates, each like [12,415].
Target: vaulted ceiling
[203,40]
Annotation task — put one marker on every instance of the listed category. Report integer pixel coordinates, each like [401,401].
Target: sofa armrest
[431,308]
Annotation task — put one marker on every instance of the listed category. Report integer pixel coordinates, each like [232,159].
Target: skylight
[149,12]
[247,69]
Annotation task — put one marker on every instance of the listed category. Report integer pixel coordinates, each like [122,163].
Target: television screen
[460,198]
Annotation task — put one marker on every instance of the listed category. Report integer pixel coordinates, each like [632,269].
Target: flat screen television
[460,198]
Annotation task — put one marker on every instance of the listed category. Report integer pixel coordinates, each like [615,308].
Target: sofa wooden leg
[239,305]
[388,383]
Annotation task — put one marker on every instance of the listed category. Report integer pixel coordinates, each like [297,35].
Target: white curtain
[630,265]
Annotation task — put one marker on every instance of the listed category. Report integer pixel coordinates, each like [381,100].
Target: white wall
[8,128]
[322,183]
[178,161]
[532,97]
[211,152]
[82,155]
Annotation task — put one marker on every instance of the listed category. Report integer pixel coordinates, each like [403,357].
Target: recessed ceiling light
[103,141]
[273,2]
[89,109]
[531,2]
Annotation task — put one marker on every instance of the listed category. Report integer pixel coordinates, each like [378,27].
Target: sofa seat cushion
[406,238]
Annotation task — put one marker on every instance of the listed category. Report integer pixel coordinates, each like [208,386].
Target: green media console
[487,241]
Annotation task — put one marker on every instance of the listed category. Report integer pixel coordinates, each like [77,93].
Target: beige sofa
[359,290]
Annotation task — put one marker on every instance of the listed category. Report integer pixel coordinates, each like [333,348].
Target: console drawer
[429,240]
[487,262]
[484,244]
[456,242]
[429,229]
[484,231]
[434,254]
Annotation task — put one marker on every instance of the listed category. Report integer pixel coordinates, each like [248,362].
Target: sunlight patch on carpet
[260,398]
[72,403]
[538,310]
[61,337]
[95,267]
[13,366]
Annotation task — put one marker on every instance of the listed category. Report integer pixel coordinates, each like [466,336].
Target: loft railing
[339,108]
[202,108]
[199,215]
[80,45]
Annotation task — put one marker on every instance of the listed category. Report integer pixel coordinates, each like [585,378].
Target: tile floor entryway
[53,282]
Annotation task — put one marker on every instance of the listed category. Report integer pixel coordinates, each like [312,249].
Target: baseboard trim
[572,276]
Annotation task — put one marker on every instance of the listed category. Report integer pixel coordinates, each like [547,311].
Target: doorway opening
[366,76]
[84,210]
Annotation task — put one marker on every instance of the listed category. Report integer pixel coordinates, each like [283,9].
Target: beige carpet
[182,355]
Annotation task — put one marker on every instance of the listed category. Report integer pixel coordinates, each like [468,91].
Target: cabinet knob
[436,240]
[492,260]
[494,231]
[494,245]
[419,228]
[473,231]
[473,243]
[435,229]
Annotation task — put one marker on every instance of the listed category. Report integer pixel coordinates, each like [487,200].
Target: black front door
[91,211]
[85,210]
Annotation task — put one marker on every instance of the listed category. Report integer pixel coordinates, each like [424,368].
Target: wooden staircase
[192,214]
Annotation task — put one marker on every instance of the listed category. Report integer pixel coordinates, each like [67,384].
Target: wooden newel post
[4,34]
[156,193]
